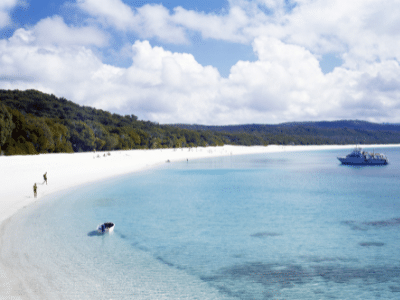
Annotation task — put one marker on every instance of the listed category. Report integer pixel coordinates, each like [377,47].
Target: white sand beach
[68,171]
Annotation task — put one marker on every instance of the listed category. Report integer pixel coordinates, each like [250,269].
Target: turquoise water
[294,225]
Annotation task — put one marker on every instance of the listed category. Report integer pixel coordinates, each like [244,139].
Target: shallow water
[293,225]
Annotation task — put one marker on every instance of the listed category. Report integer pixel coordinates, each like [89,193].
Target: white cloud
[53,31]
[280,84]
[148,21]
[227,27]
[155,21]
[360,30]
[8,4]
[26,65]
[110,12]
[159,83]
[170,84]
[284,83]
[5,8]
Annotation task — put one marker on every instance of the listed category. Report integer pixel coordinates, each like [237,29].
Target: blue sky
[209,62]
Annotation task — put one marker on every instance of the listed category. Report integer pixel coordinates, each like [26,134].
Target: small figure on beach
[45,177]
[35,190]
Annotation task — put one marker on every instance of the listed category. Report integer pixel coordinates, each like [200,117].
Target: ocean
[290,225]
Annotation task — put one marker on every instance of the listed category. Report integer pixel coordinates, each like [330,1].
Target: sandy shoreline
[68,171]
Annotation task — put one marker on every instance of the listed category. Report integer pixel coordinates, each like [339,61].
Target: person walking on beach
[35,190]
[45,177]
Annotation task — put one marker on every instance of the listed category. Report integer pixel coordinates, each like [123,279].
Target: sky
[211,62]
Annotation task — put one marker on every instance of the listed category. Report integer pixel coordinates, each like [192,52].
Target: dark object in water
[369,244]
[264,234]
[106,227]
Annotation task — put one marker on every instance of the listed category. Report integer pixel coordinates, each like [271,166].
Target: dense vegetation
[32,122]
[314,133]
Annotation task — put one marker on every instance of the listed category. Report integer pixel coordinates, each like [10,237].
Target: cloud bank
[284,83]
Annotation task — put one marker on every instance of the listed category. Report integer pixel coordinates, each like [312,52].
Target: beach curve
[67,171]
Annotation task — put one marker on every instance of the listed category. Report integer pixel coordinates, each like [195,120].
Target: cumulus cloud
[284,83]
[159,82]
[280,82]
[110,12]
[53,31]
[226,27]
[148,21]
[155,21]
[28,65]
[360,30]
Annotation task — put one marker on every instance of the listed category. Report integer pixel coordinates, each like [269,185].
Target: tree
[82,136]
[6,124]
[134,136]
[61,137]
[155,143]
[111,141]
[39,134]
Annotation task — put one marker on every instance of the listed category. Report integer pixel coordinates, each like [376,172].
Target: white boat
[106,227]
[360,157]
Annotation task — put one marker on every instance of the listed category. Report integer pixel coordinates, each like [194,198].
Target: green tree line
[33,122]
[312,133]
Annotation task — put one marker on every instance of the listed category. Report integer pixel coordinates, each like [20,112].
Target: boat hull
[356,162]
[364,164]
[106,227]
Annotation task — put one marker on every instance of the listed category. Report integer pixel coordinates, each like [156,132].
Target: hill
[305,133]
[350,124]
[33,122]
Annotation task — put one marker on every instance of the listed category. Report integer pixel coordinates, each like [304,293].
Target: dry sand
[68,171]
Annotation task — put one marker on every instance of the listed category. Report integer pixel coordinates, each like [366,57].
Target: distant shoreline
[69,171]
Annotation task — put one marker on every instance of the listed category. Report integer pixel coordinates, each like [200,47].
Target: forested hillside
[33,122]
[309,133]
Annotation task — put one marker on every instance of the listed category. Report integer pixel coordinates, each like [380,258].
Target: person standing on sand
[45,177]
[35,190]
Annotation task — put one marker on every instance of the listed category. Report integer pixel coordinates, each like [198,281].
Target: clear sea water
[292,225]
